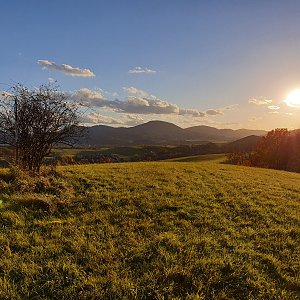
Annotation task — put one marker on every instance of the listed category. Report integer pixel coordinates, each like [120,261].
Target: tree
[34,120]
[272,150]
[279,149]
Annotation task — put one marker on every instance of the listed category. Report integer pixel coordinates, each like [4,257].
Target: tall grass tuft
[46,191]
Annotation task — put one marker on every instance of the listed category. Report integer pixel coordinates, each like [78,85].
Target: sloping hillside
[214,134]
[168,230]
[245,144]
[160,133]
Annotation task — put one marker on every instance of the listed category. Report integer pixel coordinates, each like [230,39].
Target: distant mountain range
[161,133]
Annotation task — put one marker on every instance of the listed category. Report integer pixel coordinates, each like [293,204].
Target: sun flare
[293,99]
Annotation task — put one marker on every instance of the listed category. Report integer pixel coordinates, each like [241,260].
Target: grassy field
[160,230]
[127,151]
[216,158]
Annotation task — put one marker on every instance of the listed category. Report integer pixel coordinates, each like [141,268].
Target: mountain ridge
[161,133]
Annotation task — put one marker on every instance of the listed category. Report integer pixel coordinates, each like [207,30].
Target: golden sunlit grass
[161,230]
[217,158]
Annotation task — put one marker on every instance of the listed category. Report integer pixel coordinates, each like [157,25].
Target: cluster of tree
[279,149]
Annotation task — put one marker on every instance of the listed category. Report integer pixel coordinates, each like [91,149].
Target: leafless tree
[34,120]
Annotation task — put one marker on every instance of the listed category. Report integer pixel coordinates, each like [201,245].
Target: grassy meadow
[217,158]
[188,229]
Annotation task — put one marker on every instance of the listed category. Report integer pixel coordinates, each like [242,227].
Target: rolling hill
[161,133]
[247,143]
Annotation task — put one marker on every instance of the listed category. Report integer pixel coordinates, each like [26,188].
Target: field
[189,229]
[217,158]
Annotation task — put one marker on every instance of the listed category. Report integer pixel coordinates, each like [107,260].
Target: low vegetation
[155,230]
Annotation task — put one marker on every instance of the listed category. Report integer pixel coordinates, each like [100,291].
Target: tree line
[279,149]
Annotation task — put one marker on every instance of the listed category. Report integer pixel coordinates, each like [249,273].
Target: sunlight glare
[293,99]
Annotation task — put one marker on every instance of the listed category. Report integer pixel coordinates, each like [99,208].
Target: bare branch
[33,121]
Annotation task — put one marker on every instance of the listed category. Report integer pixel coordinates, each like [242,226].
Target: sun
[293,99]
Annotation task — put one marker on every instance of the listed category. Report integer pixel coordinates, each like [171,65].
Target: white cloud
[134,117]
[214,112]
[141,70]
[142,105]
[95,118]
[134,91]
[131,104]
[152,101]
[132,120]
[67,69]
[88,97]
[273,107]
[137,102]
[260,101]
[191,112]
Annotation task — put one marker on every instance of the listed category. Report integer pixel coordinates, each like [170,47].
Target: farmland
[194,228]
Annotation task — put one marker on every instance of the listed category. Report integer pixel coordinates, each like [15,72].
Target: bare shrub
[32,121]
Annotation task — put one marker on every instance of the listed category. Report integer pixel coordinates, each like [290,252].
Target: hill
[214,134]
[163,230]
[160,133]
[245,144]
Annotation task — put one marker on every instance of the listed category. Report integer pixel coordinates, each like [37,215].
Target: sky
[225,63]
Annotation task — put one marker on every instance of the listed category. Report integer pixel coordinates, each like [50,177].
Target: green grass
[67,154]
[160,230]
[128,151]
[217,158]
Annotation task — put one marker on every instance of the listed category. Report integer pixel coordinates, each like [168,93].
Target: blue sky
[227,64]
